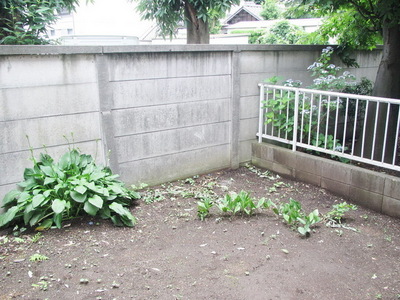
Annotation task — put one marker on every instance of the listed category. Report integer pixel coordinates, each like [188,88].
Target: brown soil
[171,254]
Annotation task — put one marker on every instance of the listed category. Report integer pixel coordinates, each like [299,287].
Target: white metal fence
[350,127]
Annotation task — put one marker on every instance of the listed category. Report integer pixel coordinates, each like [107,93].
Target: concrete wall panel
[258,62]
[249,83]
[35,70]
[249,107]
[48,131]
[128,94]
[245,151]
[162,65]
[16,103]
[175,166]
[248,129]
[141,146]
[155,118]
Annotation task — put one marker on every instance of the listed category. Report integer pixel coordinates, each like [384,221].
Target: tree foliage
[285,33]
[270,10]
[24,22]
[281,33]
[355,24]
[197,14]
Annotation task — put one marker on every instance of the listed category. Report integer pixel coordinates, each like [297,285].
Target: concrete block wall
[377,191]
[153,113]
[46,98]
[171,112]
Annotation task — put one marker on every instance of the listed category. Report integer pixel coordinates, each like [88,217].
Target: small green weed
[338,211]
[203,208]
[42,285]
[37,237]
[19,240]
[292,214]
[307,221]
[4,240]
[263,174]
[139,187]
[151,196]
[38,257]
[190,181]
[388,238]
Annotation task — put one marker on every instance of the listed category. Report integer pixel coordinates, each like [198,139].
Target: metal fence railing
[351,127]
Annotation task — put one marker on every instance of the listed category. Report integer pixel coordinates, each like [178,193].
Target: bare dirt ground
[171,254]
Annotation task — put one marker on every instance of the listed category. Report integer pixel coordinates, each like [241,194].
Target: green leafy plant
[25,22]
[327,76]
[237,203]
[293,215]
[203,208]
[307,221]
[338,211]
[291,211]
[38,257]
[316,116]
[74,186]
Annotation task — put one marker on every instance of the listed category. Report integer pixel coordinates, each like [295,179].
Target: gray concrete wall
[153,113]
[377,191]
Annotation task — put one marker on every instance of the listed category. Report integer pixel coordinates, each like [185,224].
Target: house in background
[308,25]
[248,11]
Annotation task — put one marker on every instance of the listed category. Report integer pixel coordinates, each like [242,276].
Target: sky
[109,17]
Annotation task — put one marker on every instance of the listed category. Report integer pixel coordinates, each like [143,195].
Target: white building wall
[102,17]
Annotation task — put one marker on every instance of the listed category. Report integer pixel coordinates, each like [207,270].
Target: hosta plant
[53,192]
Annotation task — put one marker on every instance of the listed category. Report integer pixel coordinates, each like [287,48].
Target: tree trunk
[387,84]
[197,29]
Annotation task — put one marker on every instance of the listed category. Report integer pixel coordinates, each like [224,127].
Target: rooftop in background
[247,11]
[309,25]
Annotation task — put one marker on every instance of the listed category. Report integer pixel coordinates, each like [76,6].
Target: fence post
[296,116]
[261,117]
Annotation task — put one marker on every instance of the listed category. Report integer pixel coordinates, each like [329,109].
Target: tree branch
[366,14]
[192,13]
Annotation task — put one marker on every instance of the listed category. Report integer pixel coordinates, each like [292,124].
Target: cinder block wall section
[153,113]
[377,191]
[45,98]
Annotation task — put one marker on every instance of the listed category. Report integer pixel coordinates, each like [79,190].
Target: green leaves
[8,216]
[122,215]
[24,22]
[10,197]
[293,215]
[203,208]
[58,206]
[58,191]
[78,197]
[95,200]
